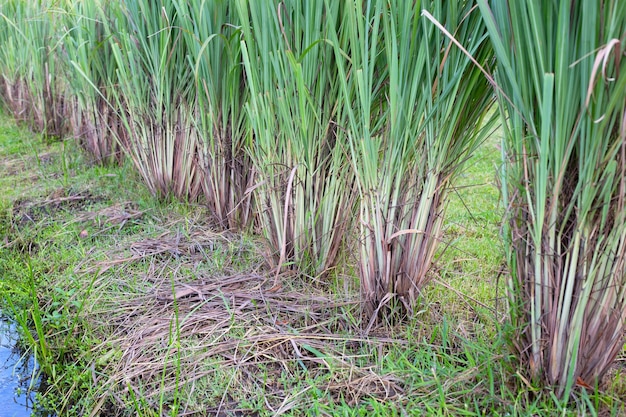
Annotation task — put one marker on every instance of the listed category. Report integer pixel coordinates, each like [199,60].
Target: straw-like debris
[194,246]
[117,214]
[229,335]
[243,331]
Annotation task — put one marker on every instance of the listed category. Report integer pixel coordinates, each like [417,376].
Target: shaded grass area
[135,307]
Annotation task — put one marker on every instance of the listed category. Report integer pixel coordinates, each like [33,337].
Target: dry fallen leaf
[581,383]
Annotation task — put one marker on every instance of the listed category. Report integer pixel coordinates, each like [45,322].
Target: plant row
[327,126]
[315,123]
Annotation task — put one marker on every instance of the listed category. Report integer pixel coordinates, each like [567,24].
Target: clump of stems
[89,67]
[32,88]
[415,105]
[212,36]
[561,80]
[152,93]
[304,193]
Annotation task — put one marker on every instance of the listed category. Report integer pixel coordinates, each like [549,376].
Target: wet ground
[17,370]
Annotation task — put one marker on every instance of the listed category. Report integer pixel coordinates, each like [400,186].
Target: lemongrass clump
[32,90]
[11,61]
[211,33]
[7,66]
[303,193]
[152,95]
[561,80]
[415,104]
[90,65]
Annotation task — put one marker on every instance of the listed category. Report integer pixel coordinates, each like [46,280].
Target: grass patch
[470,259]
[143,309]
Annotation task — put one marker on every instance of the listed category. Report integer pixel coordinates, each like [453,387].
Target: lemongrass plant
[416,105]
[303,193]
[152,93]
[10,62]
[89,66]
[33,90]
[212,37]
[46,83]
[561,80]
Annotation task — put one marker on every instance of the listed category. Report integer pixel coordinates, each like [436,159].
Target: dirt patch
[16,166]
[28,212]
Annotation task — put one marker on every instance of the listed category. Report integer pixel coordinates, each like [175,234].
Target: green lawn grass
[137,307]
[471,256]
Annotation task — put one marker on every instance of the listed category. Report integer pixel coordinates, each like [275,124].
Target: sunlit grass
[470,258]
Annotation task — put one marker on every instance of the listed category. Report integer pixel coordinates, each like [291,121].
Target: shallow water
[16,373]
